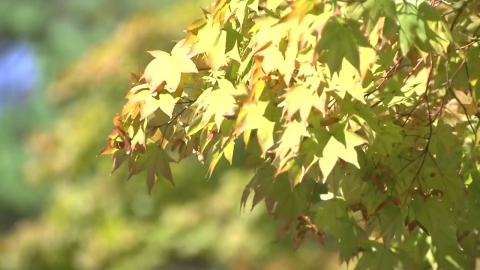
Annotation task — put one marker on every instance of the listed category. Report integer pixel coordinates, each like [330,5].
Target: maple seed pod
[302,218]
[395,201]
[210,135]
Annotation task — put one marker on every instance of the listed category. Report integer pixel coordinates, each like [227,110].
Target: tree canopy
[359,117]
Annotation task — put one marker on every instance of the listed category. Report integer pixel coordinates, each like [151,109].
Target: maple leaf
[299,98]
[290,142]
[216,104]
[365,100]
[167,68]
[155,161]
[340,145]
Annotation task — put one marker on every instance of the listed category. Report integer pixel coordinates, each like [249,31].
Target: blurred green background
[59,207]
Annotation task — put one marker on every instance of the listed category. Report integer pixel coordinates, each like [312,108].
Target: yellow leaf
[265,134]
[330,156]
[228,151]
[290,141]
[299,98]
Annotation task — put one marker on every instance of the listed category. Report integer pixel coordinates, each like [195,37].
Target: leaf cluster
[360,118]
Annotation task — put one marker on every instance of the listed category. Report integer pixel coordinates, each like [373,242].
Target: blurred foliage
[60,31]
[92,221]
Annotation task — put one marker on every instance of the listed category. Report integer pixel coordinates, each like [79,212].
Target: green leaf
[333,215]
[155,161]
[262,184]
[296,172]
[409,22]
[340,39]
[291,203]
[379,257]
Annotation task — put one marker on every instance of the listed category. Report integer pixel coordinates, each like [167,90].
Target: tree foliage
[360,118]
[92,222]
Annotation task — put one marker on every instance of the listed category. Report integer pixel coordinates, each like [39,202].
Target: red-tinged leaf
[363,209]
[396,201]
[423,228]
[125,138]
[329,121]
[110,148]
[412,225]
[175,144]
[219,6]
[257,81]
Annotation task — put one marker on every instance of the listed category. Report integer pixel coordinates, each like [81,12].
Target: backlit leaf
[155,161]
